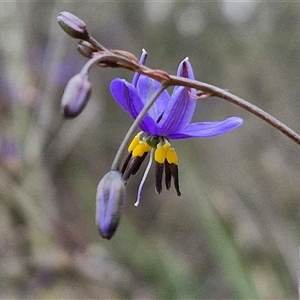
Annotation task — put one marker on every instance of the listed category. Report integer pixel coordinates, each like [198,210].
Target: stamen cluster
[164,155]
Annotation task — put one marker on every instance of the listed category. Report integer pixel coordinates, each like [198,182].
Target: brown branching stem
[113,59]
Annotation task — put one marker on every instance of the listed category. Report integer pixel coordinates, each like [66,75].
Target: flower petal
[185,70]
[146,87]
[126,95]
[178,113]
[181,108]
[207,129]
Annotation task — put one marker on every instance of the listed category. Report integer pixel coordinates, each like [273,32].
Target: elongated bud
[76,95]
[110,199]
[85,48]
[72,25]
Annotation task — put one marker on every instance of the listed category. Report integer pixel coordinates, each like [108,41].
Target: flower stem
[212,90]
[96,44]
[223,94]
[262,115]
[209,89]
[116,163]
[85,69]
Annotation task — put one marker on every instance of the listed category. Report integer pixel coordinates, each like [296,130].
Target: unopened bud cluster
[79,87]
[111,193]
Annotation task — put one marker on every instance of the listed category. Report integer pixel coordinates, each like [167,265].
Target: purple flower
[168,119]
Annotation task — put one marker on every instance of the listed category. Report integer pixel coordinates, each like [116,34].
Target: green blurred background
[235,231]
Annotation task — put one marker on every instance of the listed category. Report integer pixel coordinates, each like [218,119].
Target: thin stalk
[218,92]
[96,44]
[212,90]
[116,163]
[96,59]
[169,80]
[209,89]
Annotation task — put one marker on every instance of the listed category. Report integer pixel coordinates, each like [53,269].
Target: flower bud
[72,25]
[85,48]
[76,95]
[110,199]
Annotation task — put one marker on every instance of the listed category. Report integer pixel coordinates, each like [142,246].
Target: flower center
[165,159]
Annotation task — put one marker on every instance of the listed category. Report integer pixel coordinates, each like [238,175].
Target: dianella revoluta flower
[168,119]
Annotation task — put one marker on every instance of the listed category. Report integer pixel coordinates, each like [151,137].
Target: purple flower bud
[110,199]
[72,25]
[76,95]
[85,48]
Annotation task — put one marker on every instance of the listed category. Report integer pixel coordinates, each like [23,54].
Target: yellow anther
[166,146]
[160,155]
[161,152]
[147,147]
[140,149]
[135,141]
[172,156]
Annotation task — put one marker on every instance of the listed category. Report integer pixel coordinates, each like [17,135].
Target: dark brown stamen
[168,175]
[141,159]
[159,169]
[125,164]
[133,166]
[174,172]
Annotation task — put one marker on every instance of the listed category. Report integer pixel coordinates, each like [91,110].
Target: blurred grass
[220,241]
